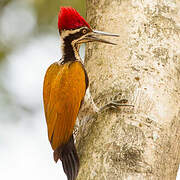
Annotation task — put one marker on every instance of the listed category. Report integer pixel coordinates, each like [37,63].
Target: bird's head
[74,29]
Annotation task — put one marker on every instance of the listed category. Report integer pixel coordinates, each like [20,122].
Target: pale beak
[94,36]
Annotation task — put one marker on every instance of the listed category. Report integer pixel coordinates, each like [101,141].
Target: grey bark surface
[141,142]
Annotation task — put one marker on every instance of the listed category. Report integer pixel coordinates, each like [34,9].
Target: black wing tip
[69,157]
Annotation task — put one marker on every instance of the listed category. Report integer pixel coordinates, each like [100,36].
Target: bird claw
[115,104]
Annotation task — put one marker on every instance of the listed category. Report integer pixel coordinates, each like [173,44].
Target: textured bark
[141,142]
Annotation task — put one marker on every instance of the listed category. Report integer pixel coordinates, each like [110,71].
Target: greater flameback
[65,85]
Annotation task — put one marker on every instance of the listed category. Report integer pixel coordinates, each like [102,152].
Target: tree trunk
[144,68]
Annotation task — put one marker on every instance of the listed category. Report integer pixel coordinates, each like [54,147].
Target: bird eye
[84,31]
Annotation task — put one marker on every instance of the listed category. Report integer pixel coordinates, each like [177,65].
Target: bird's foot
[115,104]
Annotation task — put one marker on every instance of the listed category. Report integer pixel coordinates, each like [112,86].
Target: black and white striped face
[84,35]
[71,40]
[75,36]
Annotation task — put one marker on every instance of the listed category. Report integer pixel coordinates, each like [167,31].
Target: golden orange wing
[64,89]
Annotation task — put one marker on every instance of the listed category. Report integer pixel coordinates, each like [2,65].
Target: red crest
[69,18]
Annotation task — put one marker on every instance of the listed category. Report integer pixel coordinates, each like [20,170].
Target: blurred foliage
[4,3]
[3,53]
[47,11]
[3,50]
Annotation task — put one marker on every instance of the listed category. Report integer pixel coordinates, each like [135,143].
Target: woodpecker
[65,85]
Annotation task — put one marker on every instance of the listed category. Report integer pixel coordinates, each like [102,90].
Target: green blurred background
[44,13]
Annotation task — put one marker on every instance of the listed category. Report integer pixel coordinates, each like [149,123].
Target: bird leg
[89,111]
[89,108]
[115,104]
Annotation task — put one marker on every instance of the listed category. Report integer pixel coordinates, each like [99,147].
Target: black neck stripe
[68,51]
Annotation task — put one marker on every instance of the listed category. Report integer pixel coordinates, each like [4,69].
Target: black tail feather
[73,164]
[69,157]
[65,163]
[76,159]
[71,167]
